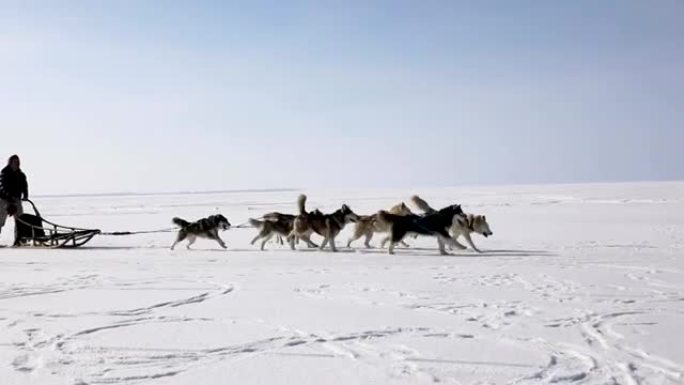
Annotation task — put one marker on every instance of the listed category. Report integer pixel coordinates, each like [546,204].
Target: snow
[579,284]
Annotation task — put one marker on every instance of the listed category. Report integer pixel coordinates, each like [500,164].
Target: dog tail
[256,223]
[180,222]
[422,205]
[301,204]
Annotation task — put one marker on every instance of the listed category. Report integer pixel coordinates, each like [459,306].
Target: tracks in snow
[41,351]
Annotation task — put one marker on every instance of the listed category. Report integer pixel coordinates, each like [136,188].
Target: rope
[116,233]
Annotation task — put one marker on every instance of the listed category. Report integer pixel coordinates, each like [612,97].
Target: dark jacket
[13,184]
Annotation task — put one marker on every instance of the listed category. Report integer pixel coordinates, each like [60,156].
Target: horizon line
[291,189]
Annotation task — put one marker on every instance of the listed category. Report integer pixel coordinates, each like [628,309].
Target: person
[13,189]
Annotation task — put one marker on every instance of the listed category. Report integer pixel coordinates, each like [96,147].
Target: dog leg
[395,237]
[369,236]
[255,239]
[323,244]
[403,243]
[291,240]
[307,238]
[390,249]
[263,243]
[443,237]
[310,243]
[458,245]
[384,241]
[220,241]
[265,231]
[470,242]
[360,229]
[357,234]
[440,245]
[181,236]
[191,240]
[332,244]
[215,236]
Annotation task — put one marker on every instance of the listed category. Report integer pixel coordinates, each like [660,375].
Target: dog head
[220,222]
[348,214]
[480,226]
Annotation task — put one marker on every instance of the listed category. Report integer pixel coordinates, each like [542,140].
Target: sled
[36,231]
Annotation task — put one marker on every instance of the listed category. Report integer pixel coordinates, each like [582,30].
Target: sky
[145,96]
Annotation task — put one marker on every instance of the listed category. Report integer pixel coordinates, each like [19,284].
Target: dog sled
[32,230]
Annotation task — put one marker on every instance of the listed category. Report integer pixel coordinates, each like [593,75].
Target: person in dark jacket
[13,188]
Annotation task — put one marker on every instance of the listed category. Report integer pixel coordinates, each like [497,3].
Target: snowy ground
[580,284]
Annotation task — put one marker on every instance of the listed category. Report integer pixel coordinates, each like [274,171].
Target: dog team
[446,225]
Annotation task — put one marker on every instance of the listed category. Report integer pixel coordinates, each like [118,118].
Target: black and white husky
[204,228]
[436,224]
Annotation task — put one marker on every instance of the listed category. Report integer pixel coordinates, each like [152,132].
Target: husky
[423,206]
[276,224]
[367,225]
[272,224]
[326,225]
[436,224]
[462,226]
[468,224]
[204,228]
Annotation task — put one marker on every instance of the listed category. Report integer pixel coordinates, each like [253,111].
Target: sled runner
[35,231]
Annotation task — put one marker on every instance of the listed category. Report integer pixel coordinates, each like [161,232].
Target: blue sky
[177,95]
